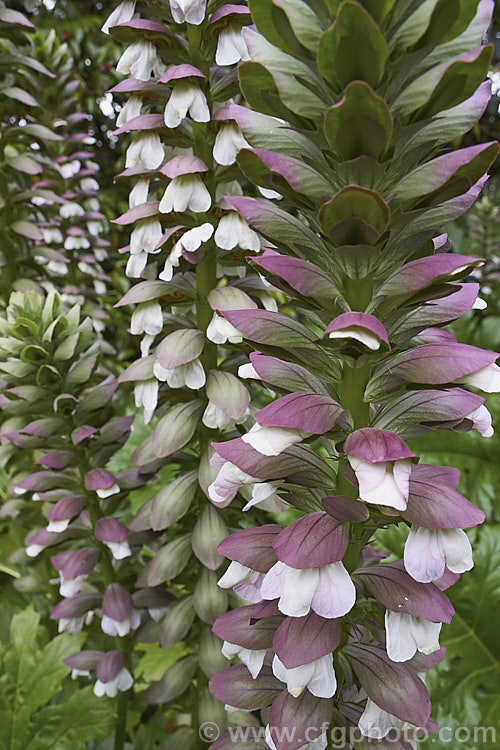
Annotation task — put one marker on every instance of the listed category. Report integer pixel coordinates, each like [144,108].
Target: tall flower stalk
[186,250]
[355,105]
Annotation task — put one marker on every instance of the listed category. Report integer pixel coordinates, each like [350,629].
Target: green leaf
[288,176]
[156,660]
[30,678]
[360,124]
[290,25]
[353,49]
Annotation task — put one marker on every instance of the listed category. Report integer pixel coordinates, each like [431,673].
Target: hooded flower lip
[227,483]
[233,231]
[271,441]
[358,327]
[121,14]
[405,635]
[317,676]
[189,11]
[244,581]
[429,552]
[220,330]
[382,463]
[228,141]
[147,318]
[140,61]
[146,396]
[189,243]
[186,97]
[327,590]
[145,152]
[231,46]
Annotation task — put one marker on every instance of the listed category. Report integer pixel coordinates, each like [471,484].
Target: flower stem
[121,720]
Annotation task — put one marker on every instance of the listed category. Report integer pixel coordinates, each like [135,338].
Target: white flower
[231,47]
[147,318]
[121,14]
[108,492]
[186,193]
[191,11]
[70,625]
[327,590]
[215,419]
[405,635]
[89,185]
[120,627]
[227,188]
[119,550]
[58,526]
[186,97]
[487,379]
[228,142]
[317,676]
[140,61]
[33,550]
[221,330]
[68,587]
[145,152]
[248,371]
[146,395]
[131,109]
[481,421]
[227,483]
[190,242]
[428,552]
[271,441]
[191,375]
[136,265]
[383,482]
[173,261]
[145,237]
[71,210]
[376,723]
[264,493]
[51,235]
[252,658]
[233,231]
[363,335]
[76,242]
[123,682]
[70,169]
[244,581]
[139,193]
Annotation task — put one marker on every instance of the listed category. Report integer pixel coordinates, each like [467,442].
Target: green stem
[206,280]
[121,721]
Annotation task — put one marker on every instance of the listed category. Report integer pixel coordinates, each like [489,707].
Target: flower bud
[210,654]
[208,532]
[209,601]
[177,622]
